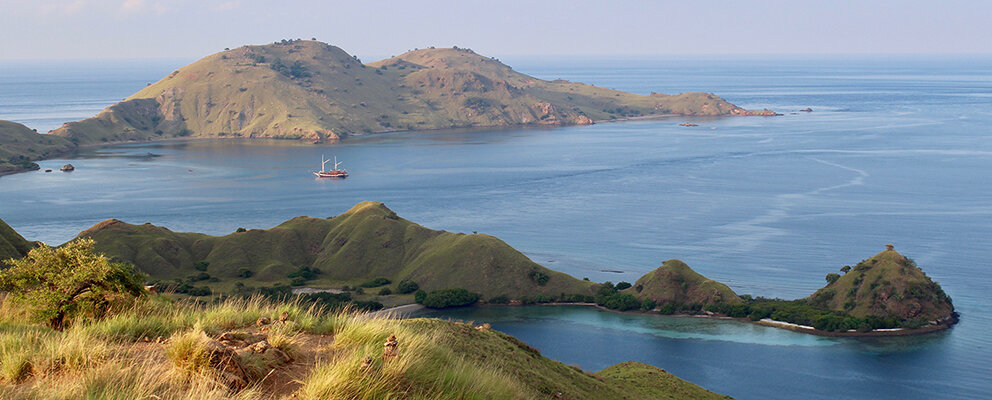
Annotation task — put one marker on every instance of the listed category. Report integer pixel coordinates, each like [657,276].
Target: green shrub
[407,286]
[201,266]
[540,278]
[385,292]
[57,284]
[419,296]
[832,277]
[501,299]
[622,285]
[245,273]
[376,283]
[445,298]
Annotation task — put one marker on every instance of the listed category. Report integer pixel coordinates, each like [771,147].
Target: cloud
[227,5]
[157,7]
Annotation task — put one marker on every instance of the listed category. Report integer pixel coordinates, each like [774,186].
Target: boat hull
[331,174]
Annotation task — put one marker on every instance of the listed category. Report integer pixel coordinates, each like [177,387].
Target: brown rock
[391,350]
[228,365]
[284,316]
[263,321]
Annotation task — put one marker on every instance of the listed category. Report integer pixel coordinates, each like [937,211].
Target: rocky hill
[317,92]
[19,146]
[888,285]
[367,242]
[12,244]
[675,283]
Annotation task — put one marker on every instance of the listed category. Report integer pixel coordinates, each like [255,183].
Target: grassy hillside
[368,241]
[675,283]
[12,244]
[313,355]
[886,285]
[19,146]
[317,92]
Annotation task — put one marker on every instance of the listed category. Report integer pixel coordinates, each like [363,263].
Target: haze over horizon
[121,29]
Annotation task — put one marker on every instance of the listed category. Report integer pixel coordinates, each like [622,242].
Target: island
[316,92]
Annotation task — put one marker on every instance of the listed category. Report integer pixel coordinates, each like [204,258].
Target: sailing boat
[334,173]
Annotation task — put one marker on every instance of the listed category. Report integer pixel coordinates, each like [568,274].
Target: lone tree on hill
[57,284]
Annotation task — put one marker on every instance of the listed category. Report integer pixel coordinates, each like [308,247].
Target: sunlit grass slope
[437,360]
[12,244]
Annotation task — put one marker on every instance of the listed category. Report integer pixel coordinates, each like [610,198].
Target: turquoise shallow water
[896,150]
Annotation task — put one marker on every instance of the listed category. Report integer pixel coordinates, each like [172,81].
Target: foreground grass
[111,359]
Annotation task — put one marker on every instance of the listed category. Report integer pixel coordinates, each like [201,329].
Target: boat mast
[336,163]
[323,163]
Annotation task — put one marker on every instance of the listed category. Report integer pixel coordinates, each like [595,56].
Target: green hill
[888,285]
[367,242]
[19,146]
[677,284]
[317,92]
[12,244]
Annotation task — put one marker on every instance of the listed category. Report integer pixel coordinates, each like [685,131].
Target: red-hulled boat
[334,173]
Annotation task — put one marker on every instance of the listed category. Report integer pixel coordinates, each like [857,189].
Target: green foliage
[201,266]
[375,283]
[540,278]
[239,230]
[619,302]
[501,299]
[407,286]
[622,285]
[245,273]
[304,273]
[446,298]
[648,304]
[420,296]
[845,269]
[385,291]
[57,284]
[832,277]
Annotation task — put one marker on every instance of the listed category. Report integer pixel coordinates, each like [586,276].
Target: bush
[622,285]
[201,266]
[245,273]
[376,283]
[407,287]
[304,273]
[540,278]
[648,305]
[298,281]
[445,298]
[619,301]
[57,284]
[419,296]
[832,277]
[385,292]
[239,230]
[501,299]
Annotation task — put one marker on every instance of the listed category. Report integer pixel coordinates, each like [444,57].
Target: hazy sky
[73,29]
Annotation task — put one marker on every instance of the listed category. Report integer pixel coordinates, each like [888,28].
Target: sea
[896,149]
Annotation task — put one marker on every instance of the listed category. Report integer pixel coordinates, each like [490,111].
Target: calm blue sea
[896,150]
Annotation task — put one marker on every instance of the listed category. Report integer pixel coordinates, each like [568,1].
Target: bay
[896,150]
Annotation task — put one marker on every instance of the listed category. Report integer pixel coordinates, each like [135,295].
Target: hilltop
[19,146]
[367,242]
[676,284]
[888,285]
[158,348]
[308,90]
[12,244]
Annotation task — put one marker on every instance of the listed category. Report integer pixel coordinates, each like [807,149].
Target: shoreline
[91,146]
[942,325]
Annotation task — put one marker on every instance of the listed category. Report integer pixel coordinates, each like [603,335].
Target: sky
[136,29]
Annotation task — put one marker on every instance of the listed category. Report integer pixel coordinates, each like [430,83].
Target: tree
[845,269]
[57,284]
[408,287]
[832,277]
[622,285]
